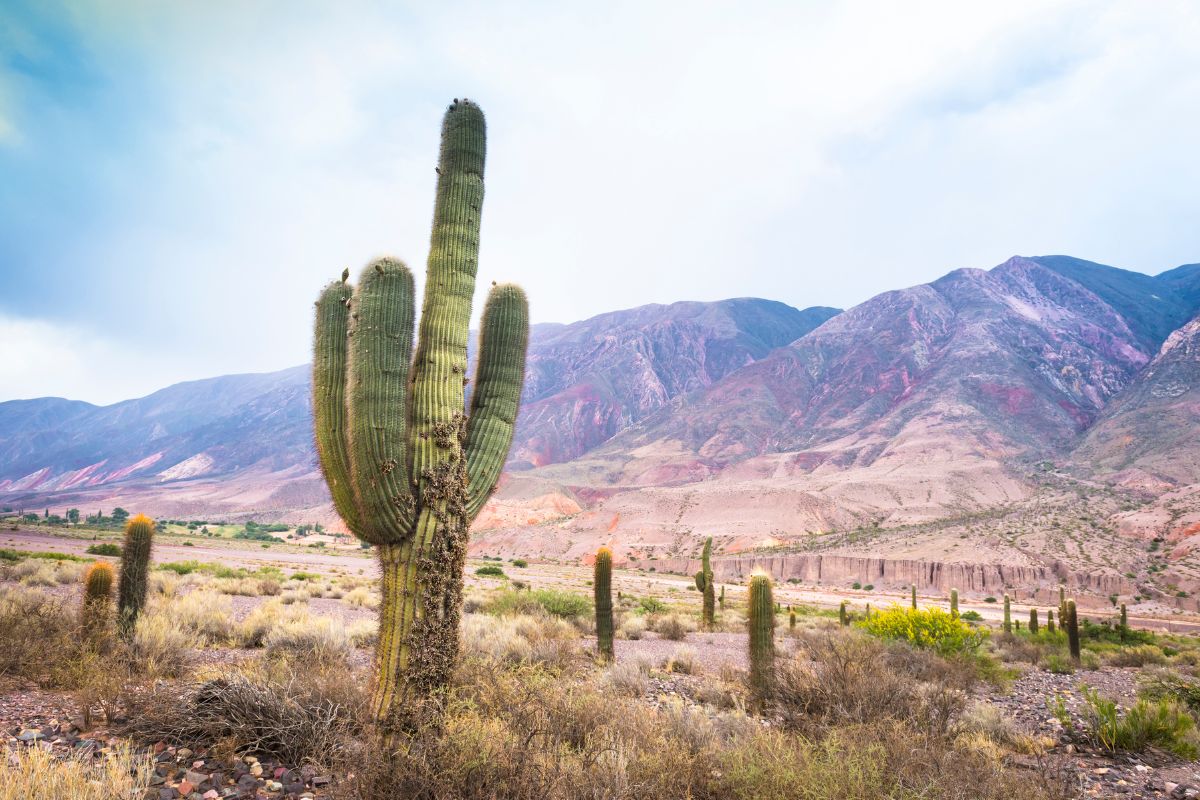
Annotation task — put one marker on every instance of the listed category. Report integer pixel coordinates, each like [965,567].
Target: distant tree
[119,515]
[73,515]
[55,519]
[30,517]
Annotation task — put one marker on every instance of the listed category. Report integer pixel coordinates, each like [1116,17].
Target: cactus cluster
[704,582]
[602,593]
[135,572]
[408,470]
[762,636]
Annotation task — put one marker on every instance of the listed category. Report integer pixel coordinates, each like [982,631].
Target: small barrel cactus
[97,599]
[1071,623]
[602,590]
[791,620]
[1033,620]
[135,571]
[762,637]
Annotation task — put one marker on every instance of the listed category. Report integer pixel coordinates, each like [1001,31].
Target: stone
[30,735]
[195,778]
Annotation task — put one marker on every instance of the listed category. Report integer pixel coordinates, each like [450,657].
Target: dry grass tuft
[32,773]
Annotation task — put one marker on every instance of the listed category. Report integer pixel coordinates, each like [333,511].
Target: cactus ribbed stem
[914,598]
[954,603]
[791,620]
[1124,623]
[1033,620]
[1007,614]
[721,599]
[762,637]
[97,597]
[406,468]
[843,617]
[1050,621]
[704,582]
[602,590]
[1071,623]
[135,572]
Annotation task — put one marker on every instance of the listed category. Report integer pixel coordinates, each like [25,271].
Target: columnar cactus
[954,603]
[135,571]
[721,599]
[1071,623]
[704,582]
[843,617]
[762,636]
[1007,614]
[1062,604]
[914,597]
[791,620]
[97,597]
[1050,621]
[1124,622]
[407,468]
[602,590]
[1033,620]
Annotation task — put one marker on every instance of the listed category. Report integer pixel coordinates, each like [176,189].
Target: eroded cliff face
[1031,581]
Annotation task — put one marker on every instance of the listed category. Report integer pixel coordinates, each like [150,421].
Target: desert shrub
[362,596]
[300,575]
[300,635]
[294,596]
[971,615]
[1107,632]
[627,678]
[490,570]
[554,602]
[244,587]
[930,628]
[33,773]
[33,624]
[182,568]
[159,646]
[104,549]
[520,640]
[1140,655]
[671,627]
[985,720]
[1059,664]
[1163,684]
[1162,723]
[294,711]
[207,614]
[841,677]
[651,605]
[682,661]
[520,563]
[363,632]
[632,628]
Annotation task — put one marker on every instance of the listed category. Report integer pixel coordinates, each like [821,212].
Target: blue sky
[177,180]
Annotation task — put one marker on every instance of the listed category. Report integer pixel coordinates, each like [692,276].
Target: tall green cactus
[1071,623]
[1033,620]
[95,610]
[914,597]
[704,582]
[954,603]
[407,469]
[602,591]
[1050,621]
[135,572]
[843,616]
[1007,614]
[762,637]
[721,599]
[1124,623]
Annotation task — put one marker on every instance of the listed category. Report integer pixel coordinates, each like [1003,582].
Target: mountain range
[910,417]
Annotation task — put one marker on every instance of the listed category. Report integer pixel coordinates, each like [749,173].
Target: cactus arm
[380,351]
[499,376]
[329,404]
[441,360]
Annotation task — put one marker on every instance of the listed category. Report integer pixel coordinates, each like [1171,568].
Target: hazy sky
[178,179]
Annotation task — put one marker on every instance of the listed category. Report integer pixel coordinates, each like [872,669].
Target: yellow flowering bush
[927,628]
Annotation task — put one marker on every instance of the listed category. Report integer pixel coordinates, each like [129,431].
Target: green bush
[971,616]
[926,628]
[1165,685]
[490,570]
[1162,723]
[1059,664]
[550,601]
[651,605]
[216,570]
[520,563]
[305,576]
[104,549]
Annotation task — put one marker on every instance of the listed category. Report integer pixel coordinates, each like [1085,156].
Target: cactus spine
[914,597]
[954,603]
[97,596]
[407,470]
[704,582]
[1033,620]
[1071,623]
[843,617]
[1050,621]
[1007,614]
[602,590]
[135,572]
[762,637]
